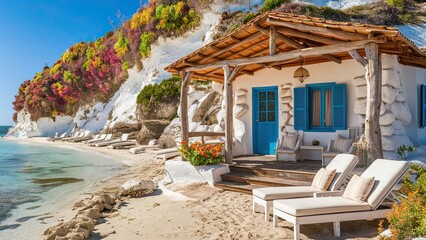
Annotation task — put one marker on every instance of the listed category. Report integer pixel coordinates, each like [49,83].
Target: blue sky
[35,33]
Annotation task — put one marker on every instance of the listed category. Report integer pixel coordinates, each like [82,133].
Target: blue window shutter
[300,108]
[339,106]
[423,106]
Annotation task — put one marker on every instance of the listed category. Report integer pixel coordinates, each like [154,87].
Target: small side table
[311,152]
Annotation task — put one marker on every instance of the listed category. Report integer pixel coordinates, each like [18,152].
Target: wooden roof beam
[296,44]
[319,30]
[301,53]
[225,49]
[316,38]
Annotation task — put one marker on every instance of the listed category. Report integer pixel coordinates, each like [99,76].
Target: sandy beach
[190,211]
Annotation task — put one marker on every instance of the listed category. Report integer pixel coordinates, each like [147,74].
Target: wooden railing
[206,134]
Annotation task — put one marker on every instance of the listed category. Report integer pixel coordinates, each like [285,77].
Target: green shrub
[145,45]
[151,94]
[408,219]
[272,4]
[122,45]
[400,4]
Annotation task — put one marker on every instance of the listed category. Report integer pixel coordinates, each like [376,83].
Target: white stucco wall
[320,73]
[413,77]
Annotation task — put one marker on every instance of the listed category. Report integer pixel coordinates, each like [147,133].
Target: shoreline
[201,211]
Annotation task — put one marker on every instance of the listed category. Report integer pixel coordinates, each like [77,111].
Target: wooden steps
[244,179]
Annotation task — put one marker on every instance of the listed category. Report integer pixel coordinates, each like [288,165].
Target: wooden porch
[280,40]
[254,171]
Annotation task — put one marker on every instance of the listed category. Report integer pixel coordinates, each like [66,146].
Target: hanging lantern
[301,73]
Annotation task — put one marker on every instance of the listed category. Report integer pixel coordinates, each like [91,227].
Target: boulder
[240,110]
[124,127]
[286,99]
[360,106]
[218,128]
[168,137]
[389,61]
[291,112]
[194,96]
[361,91]
[218,87]
[386,130]
[388,94]
[137,188]
[212,99]
[151,129]
[401,112]
[395,141]
[241,92]
[390,77]
[360,81]
[386,119]
[220,116]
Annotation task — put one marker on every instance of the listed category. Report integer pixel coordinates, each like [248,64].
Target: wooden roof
[293,32]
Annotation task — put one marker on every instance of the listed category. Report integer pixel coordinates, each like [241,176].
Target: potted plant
[199,154]
[315,142]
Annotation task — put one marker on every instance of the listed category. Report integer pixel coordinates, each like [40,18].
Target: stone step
[295,175]
[262,180]
[236,187]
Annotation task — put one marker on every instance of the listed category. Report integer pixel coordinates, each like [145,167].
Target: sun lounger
[63,135]
[123,138]
[86,136]
[77,135]
[343,163]
[166,153]
[335,208]
[126,144]
[107,138]
[137,150]
[96,138]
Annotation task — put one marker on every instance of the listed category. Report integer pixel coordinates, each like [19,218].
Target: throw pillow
[290,142]
[358,188]
[323,179]
[342,144]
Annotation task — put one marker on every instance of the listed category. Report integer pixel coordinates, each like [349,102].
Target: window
[320,107]
[422,106]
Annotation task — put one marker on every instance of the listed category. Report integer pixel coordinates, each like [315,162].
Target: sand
[193,211]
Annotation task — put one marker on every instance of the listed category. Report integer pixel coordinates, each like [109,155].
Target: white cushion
[317,206]
[358,188]
[343,163]
[290,142]
[273,193]
[323,179]
[386,174]
[342,144]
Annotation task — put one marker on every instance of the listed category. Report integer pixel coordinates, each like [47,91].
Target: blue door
[265,120]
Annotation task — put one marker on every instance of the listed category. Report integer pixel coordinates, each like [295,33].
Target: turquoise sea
[37,180]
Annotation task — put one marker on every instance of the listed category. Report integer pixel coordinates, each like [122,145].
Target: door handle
[257,120]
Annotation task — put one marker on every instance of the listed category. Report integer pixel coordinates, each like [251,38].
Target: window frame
[319,87]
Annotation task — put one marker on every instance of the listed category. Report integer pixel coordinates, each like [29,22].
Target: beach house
[293,75]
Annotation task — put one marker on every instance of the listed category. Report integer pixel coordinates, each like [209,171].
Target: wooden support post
[229,121]
[184,106]
[373,77]
[272,42]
